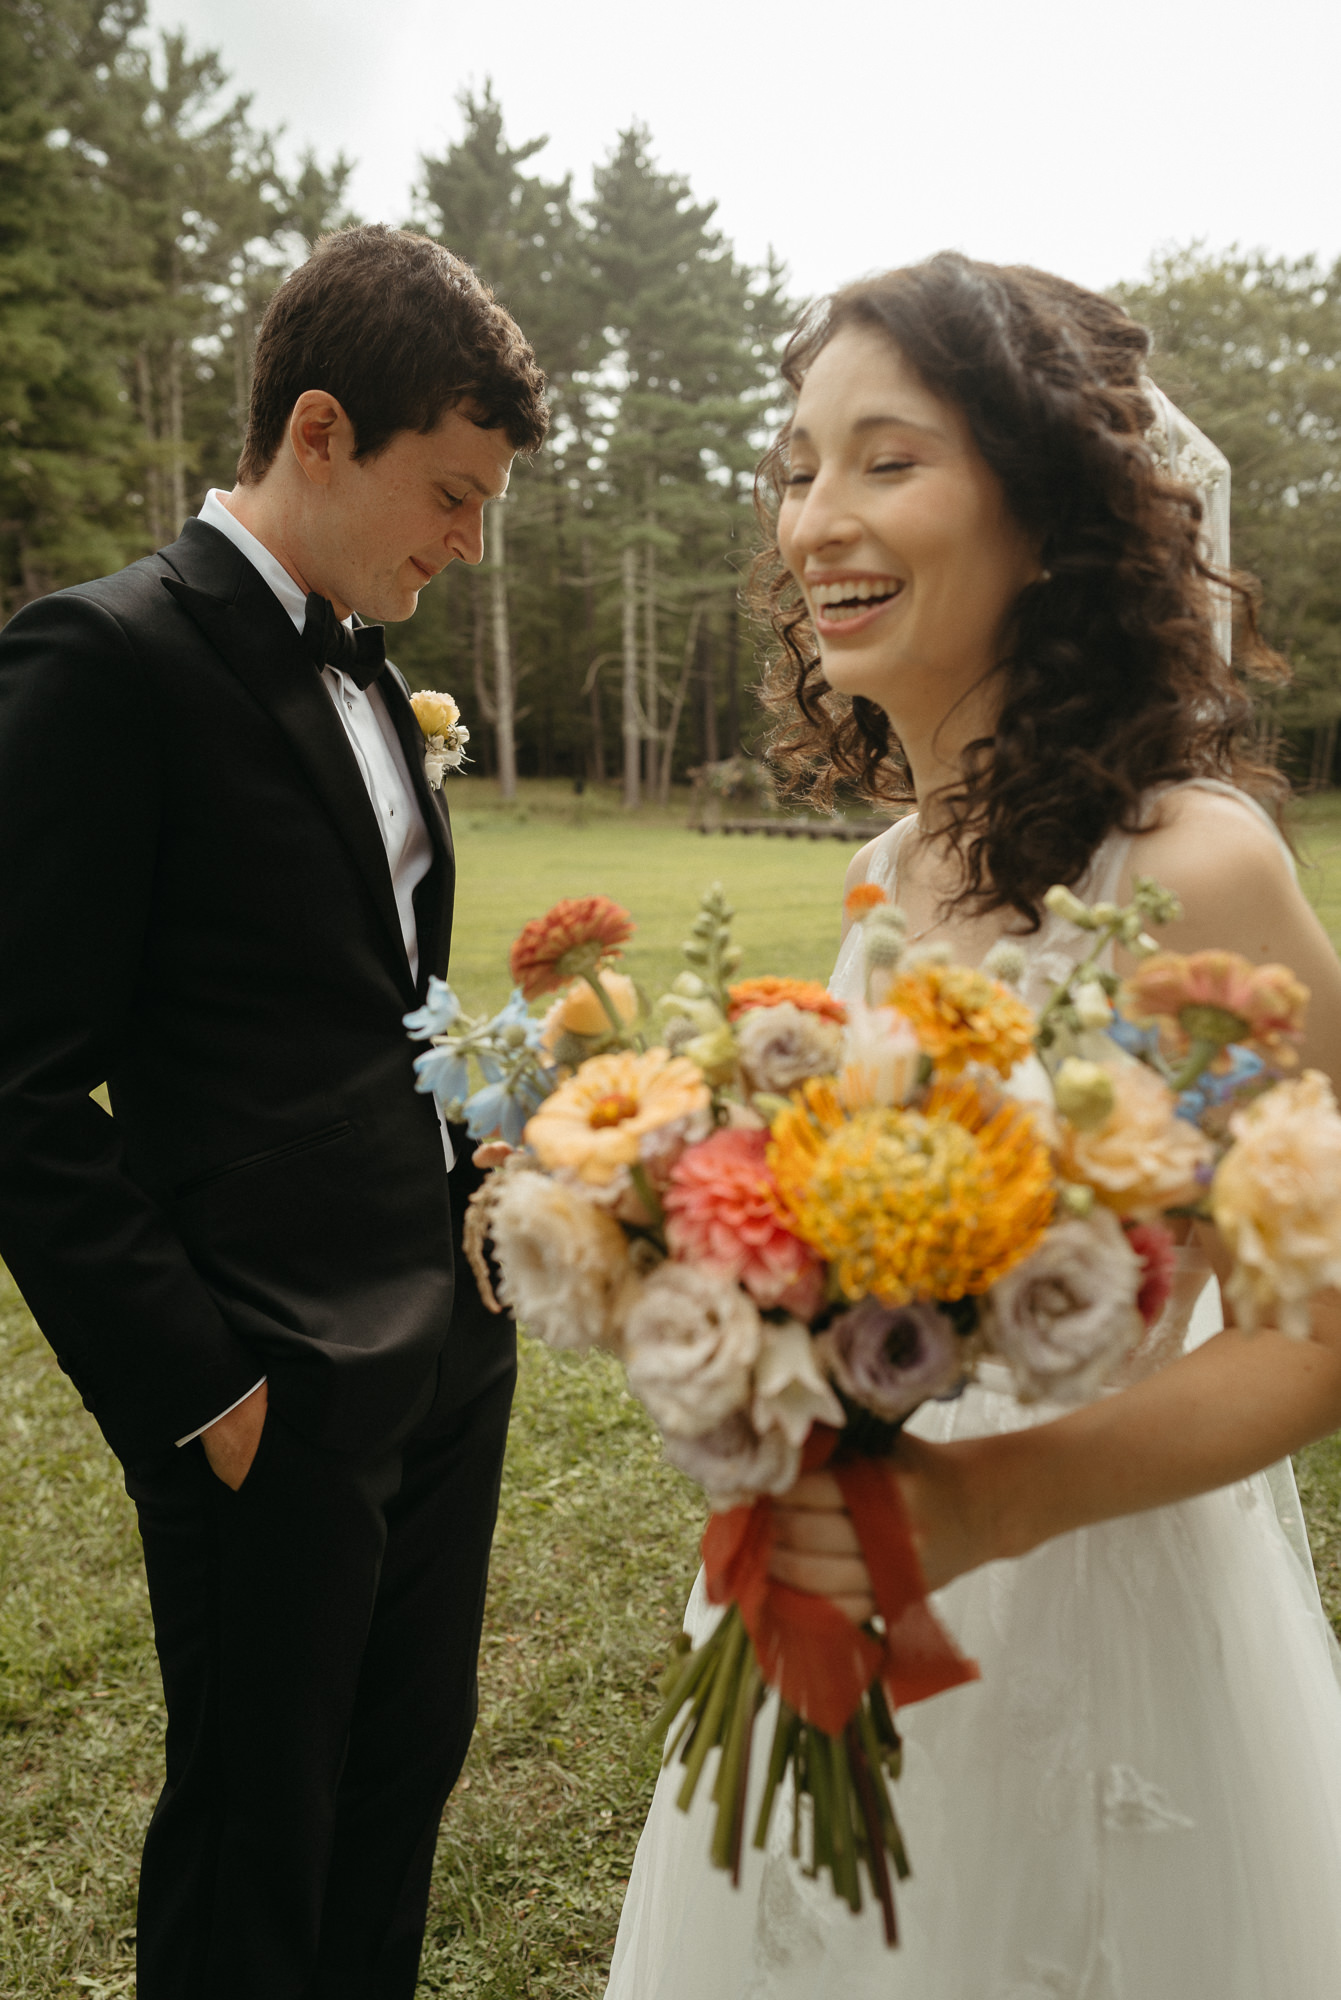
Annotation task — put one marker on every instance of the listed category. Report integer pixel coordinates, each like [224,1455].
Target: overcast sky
[850,135]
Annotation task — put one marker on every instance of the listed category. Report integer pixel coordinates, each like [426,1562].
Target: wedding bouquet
[795,1220]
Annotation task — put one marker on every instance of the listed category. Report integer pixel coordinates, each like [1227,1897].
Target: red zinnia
[1155,1247]
[576,936]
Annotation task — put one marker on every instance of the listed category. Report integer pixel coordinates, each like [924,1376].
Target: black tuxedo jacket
[195,907]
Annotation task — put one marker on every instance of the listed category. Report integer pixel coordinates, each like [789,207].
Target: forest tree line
[145,221]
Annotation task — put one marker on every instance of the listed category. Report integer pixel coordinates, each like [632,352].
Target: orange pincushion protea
[962,1016]
[1217,996]
[936,1203]
[861,900]
[576,936]
[807,994]
[593,1124]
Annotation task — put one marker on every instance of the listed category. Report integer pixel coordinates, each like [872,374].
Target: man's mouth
[852,597]
[423,569]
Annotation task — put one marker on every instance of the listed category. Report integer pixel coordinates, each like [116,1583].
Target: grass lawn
[538,1839]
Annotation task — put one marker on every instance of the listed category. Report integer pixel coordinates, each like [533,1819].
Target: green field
[538,1839]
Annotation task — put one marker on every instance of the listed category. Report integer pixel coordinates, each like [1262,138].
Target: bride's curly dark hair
[1112,680]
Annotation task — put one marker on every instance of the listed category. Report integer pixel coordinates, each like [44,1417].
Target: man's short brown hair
[398,331]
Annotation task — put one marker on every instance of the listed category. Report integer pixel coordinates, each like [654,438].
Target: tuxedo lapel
[246,624]
[434,897]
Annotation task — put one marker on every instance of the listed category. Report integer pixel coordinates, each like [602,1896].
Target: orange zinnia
[861,900]
[962,1016]
[807,994]
[573,938]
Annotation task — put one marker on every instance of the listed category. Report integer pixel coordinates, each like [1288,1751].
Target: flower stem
[597,985]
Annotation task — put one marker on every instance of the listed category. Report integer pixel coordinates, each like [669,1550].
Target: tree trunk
[154,510]
[631,730]
[483,700]
[177,469]
[596,747]
[1323,756]
[707,644]
[677,707]
[733,681]
[651,701]
[504,681]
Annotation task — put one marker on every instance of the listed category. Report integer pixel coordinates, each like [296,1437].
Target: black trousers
[317,1632]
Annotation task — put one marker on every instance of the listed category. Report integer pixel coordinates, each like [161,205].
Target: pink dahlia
[722,1211]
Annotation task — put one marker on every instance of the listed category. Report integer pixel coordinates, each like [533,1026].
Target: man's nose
[466,538]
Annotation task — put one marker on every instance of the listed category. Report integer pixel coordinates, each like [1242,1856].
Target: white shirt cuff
[191,1435]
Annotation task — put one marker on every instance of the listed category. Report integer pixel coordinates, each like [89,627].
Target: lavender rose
[891,1358]
[1064,1318]
[691,1339]
[734,1463]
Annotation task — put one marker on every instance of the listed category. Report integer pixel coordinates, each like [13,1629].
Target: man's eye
[894,465]
[453,499]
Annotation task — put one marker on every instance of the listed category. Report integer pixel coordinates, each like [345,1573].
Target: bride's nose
[826,518]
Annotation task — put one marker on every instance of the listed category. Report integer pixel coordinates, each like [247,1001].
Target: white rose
[1066,1317]
[734,1464]
[691,1339]
[781,1046]
[790,1390]
[562,1261]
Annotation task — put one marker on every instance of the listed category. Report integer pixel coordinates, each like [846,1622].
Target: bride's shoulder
[1228,865]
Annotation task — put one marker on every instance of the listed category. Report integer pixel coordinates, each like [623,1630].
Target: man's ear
[320,434]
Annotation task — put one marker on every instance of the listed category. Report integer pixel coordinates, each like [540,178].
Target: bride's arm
[1232,1407]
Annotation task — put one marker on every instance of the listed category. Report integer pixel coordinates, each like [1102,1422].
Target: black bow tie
[359,651]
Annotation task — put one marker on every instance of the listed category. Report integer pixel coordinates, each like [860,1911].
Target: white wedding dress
[1139,1800]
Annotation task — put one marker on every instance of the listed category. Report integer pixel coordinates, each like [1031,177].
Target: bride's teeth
[859,590]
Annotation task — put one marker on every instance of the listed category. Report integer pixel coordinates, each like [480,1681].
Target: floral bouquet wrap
[794,1221]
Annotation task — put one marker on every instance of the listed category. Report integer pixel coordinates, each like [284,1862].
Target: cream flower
[1067,1316]
[1143,1156]
[735,1463]
[577,1011]
[595,1122]
[691,1339]
[1276,1199]
[790,1392]
[562,1261]
[780,1047]
[880,1058]
[436,713]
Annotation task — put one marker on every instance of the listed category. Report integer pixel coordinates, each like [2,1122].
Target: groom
[223,881]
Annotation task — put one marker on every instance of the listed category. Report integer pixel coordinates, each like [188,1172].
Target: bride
[988,575]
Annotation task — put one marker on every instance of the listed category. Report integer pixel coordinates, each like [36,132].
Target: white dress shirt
[381,761]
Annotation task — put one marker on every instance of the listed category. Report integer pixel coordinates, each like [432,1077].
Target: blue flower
[444,1072]
[1222,1088]
[504,1105]
[1136,1041]
[435,1017]
[516,1014]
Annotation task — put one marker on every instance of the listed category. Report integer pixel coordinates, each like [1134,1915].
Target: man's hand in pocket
[230,1444]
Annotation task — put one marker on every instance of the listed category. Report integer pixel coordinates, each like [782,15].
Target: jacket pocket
[308,1143]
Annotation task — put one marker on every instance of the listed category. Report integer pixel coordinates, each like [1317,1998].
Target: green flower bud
[1065,903]
[1084,1093]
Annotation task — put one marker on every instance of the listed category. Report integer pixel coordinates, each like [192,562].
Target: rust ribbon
[819,1661]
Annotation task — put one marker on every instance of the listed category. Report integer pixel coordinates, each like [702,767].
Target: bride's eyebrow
[799,435]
